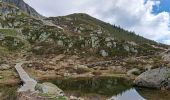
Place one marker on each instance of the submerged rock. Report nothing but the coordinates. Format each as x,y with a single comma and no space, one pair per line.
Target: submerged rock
155,78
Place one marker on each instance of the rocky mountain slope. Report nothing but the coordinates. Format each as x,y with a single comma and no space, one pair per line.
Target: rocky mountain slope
24,7
76,34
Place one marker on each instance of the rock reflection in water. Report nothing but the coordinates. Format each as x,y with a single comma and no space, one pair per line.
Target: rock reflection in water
105,86
8,92
153,94
130,94
142,94
93,88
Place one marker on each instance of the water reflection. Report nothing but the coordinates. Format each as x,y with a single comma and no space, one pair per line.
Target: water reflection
130,94
109,89
105,88
152,94
8,92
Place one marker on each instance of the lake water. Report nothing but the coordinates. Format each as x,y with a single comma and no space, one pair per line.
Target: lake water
105,88
108,88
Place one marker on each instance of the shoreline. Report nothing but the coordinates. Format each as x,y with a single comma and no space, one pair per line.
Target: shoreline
17,81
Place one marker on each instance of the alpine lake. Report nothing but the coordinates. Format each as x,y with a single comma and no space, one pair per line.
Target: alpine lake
103,88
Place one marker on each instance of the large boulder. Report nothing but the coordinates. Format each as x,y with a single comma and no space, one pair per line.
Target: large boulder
50,89
155,78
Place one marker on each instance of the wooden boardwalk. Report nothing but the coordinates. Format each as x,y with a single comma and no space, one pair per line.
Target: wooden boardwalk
29,83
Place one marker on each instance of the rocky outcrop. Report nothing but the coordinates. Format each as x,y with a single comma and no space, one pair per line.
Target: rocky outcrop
50,89
156,78
24,7
166,55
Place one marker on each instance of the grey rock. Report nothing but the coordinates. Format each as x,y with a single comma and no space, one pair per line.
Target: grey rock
94,41
2,36
80,66
126,48
69,19
104,53
166,55
109,44
60,43
50,89
4,67
109,39
132,43
133,50
133,71
155,78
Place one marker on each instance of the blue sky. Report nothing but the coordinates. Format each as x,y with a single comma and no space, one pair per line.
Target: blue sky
164,6
148,18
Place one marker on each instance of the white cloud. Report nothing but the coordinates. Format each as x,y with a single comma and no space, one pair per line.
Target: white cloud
133,15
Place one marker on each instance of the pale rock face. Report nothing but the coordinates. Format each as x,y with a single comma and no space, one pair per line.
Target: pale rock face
114,44
2,36
73,98
109,39
70,45
44,36
133,50
0,25
10,24
37,47
81,28
104,53
87,42
109,44
79,31
60,43
99,32
132,43
16,42
69,19
95,42
82,45
80,66
126,48
81,38
16,23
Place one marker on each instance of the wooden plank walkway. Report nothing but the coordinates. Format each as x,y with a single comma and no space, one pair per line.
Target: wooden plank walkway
29,83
